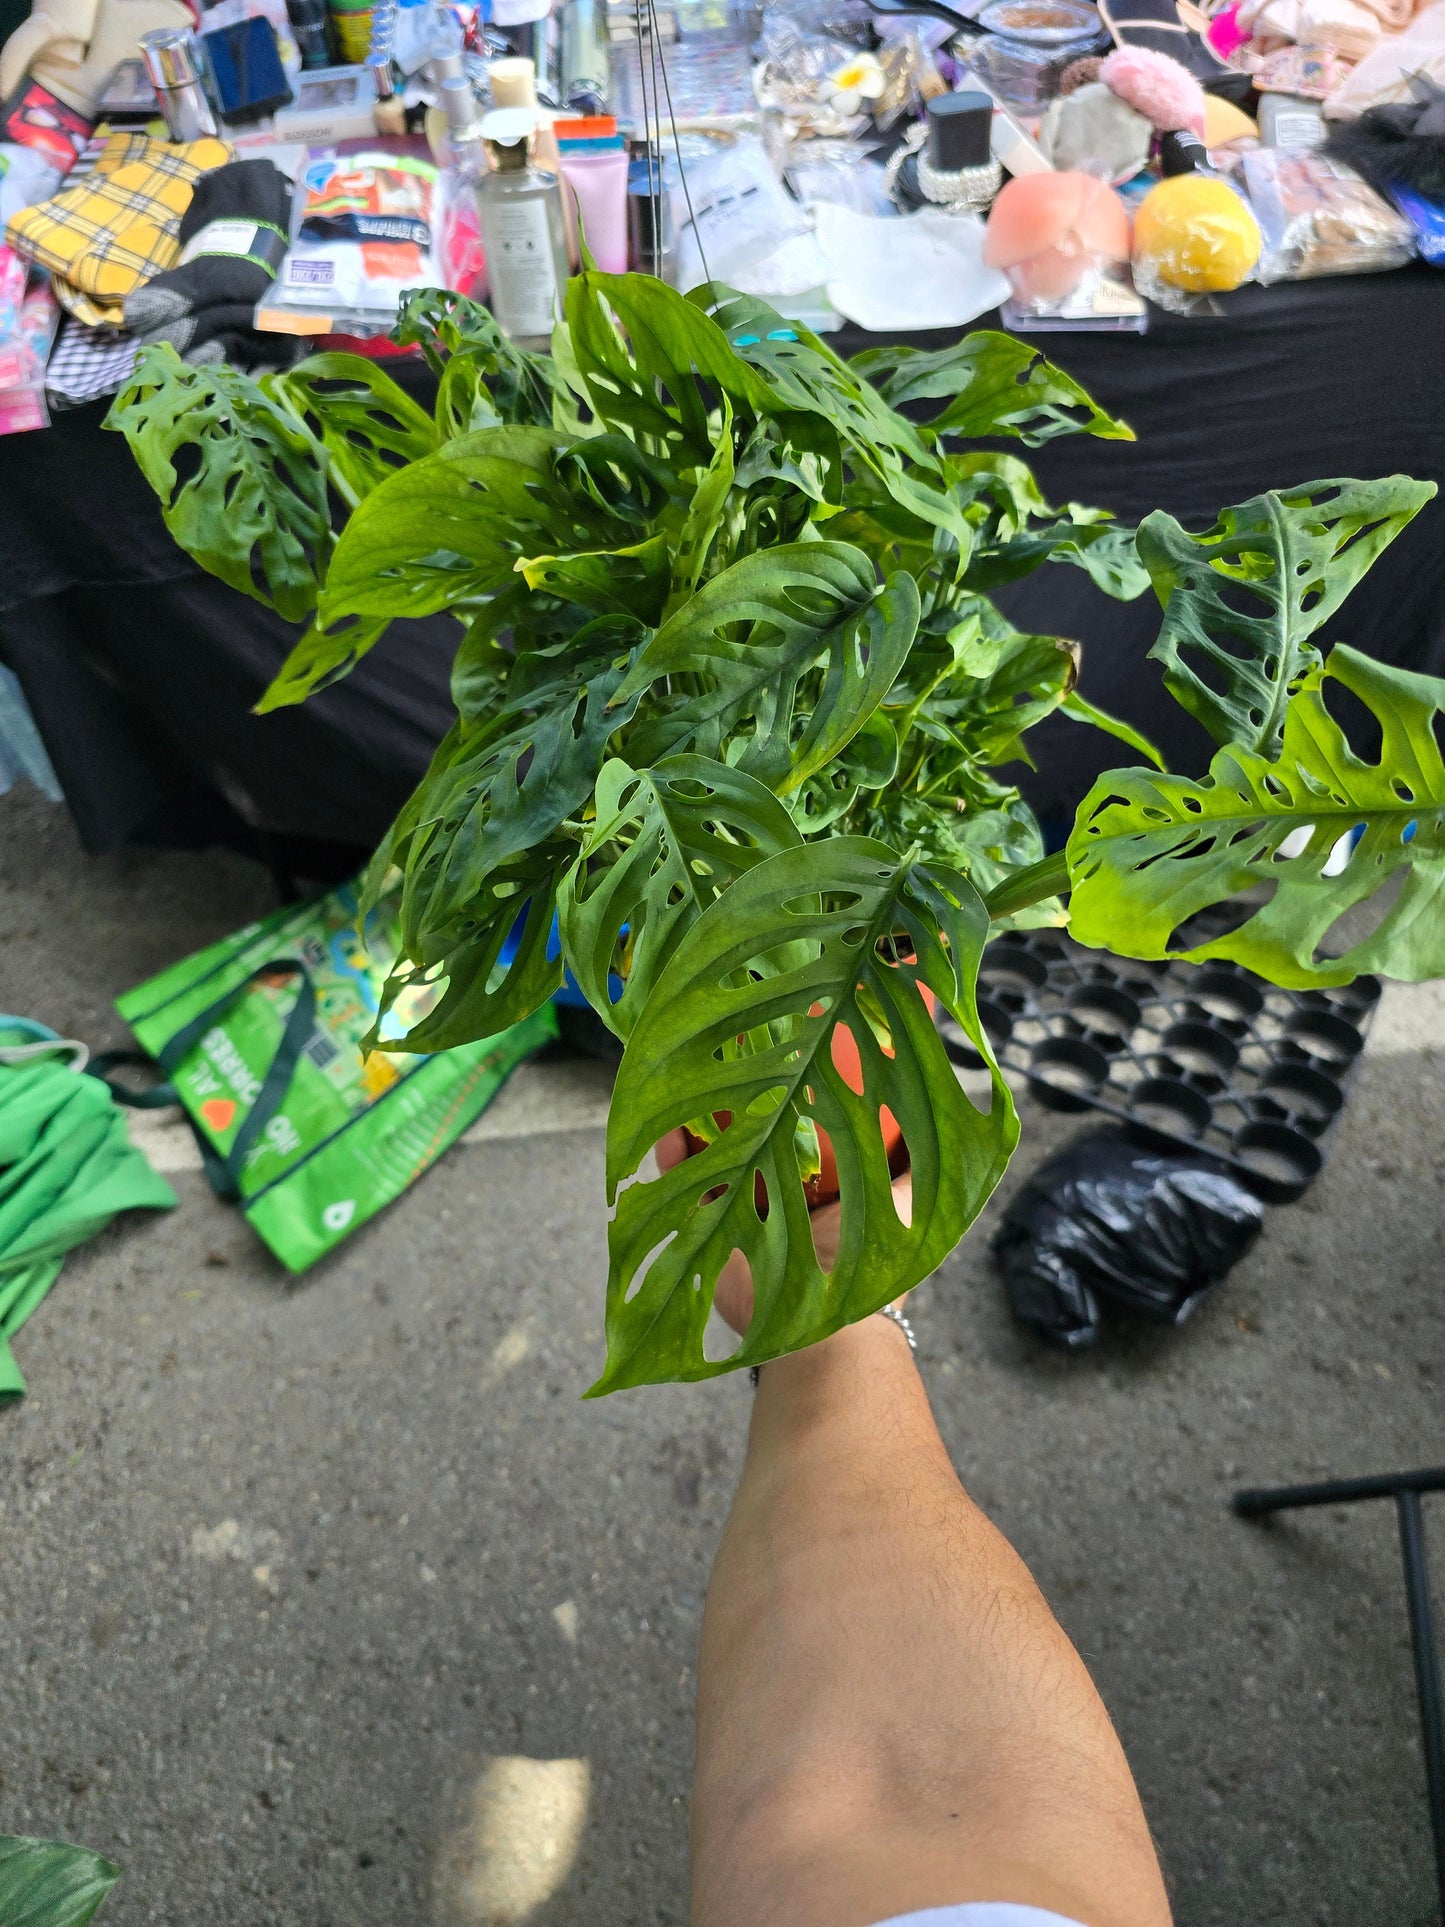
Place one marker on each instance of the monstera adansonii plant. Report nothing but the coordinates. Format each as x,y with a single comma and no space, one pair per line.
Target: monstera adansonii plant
732,703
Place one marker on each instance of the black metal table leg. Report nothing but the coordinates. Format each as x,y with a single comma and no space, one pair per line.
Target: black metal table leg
1405,1489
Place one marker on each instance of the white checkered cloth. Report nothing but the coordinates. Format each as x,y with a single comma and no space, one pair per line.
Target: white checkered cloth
87,363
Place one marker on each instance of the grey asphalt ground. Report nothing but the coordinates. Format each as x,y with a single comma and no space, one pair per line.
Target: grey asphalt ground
330,1603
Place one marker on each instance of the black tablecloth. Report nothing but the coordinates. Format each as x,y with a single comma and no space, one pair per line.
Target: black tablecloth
141,669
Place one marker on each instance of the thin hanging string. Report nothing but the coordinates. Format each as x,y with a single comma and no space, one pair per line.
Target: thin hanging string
639,24
676,143
655,129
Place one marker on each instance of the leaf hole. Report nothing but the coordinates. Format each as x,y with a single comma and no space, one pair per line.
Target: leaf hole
639,1277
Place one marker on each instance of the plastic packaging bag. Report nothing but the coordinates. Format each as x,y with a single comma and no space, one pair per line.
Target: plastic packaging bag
1108,1219
1318,217
365,229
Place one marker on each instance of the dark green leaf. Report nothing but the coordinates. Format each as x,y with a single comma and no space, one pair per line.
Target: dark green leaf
1148,852
1242,600
992,385
44,1883
254,511
666,842
370,427
705,516
484,992
832,912
754,632
632,581
444,325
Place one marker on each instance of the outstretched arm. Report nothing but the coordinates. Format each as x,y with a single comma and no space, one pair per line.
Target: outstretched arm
889,1716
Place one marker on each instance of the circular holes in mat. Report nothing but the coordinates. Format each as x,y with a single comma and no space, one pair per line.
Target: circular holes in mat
1324,1036
1008,967
1108,1012
1165,1105
1308,1095
1201,1050
1281,1161
1222,994
1066,1072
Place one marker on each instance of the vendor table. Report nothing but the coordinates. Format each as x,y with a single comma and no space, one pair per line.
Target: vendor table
141,670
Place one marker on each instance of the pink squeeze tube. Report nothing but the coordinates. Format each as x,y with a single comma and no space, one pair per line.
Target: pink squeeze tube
598,184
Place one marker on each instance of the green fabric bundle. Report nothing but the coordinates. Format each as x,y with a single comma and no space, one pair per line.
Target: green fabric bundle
66,1168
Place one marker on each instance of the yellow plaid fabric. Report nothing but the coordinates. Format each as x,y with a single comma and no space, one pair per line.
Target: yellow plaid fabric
117,227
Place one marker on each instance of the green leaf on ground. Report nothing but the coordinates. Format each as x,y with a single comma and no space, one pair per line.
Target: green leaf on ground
45,1883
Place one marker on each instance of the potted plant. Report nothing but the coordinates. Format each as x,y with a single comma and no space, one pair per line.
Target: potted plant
732,710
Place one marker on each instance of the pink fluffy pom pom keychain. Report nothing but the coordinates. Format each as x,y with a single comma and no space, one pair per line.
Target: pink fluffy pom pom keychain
1157,87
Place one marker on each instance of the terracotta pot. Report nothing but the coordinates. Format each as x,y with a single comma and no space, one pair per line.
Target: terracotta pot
823,1188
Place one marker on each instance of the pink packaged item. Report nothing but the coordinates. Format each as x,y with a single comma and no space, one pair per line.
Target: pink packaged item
27,328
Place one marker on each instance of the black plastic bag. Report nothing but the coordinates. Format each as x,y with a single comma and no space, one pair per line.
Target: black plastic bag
1108,1219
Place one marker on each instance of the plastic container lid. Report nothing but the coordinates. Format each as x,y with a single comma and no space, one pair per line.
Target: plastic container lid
509,125
513,82
1042,23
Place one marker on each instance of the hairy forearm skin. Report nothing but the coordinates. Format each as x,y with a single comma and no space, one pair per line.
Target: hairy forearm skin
889,1717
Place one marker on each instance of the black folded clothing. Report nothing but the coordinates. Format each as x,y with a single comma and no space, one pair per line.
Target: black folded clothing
233,237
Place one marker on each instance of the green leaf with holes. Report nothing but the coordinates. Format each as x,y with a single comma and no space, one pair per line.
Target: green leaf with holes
450,329
755,635
253,509
369,427
732,1036
665,844
45,1883
990,384
453,527
1321,831
1242,600
323,656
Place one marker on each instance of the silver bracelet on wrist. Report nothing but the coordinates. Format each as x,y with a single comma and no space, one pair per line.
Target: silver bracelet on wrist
892,1311
884,1311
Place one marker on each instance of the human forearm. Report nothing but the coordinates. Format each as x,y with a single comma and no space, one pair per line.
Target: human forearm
889,1716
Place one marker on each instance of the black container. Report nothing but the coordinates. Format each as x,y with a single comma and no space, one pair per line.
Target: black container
1207,1056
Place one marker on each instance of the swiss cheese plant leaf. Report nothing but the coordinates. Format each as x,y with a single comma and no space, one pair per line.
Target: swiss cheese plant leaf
493,967
45,1883
632,581
739,1035
447,327
754,634
1242,600
369,426
990,384
666,843
454,526
705,516
465,402
509,786
323,656
250,502
1319,830
653,364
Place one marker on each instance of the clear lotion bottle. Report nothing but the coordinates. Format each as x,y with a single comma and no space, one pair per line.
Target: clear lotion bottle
519,207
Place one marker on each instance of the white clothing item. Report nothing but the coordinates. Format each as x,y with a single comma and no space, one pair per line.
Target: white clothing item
984,1913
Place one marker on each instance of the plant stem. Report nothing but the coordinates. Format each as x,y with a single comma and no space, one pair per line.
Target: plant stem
1049,877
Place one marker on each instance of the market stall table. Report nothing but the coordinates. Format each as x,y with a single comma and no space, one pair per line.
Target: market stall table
141,670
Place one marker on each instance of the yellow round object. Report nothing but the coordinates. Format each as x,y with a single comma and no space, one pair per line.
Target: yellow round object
1196,233
1223,121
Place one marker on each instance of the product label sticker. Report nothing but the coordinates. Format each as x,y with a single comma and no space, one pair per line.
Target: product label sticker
311,274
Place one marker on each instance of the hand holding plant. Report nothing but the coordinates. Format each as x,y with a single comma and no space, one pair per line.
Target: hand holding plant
733,707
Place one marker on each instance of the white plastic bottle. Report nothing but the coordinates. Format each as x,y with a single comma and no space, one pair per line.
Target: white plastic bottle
520,209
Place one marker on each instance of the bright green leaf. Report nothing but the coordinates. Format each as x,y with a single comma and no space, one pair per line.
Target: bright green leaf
992,385
45,1883
1148,851
1078,710
370,427
666,842
832,911
322,656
